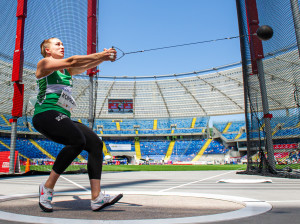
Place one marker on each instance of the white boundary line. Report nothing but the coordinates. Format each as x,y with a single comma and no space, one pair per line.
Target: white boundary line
252,207
287,201
72,182
171,188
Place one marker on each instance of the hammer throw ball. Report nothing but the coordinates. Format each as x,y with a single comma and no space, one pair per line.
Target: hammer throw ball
264,32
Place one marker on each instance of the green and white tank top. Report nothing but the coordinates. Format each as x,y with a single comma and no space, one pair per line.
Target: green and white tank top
55,93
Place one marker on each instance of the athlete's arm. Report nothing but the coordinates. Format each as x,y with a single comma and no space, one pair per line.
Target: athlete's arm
76,71
93,64
80,62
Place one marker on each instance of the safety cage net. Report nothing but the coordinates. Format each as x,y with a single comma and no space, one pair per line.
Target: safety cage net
271,80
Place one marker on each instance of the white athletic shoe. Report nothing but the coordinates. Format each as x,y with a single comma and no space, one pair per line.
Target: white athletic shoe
104,200
45,198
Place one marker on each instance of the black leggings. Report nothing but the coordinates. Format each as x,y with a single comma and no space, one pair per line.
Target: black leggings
76,137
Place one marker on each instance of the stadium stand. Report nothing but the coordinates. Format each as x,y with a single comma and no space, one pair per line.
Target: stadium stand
154,149
215,147
157,150
190,148
25,147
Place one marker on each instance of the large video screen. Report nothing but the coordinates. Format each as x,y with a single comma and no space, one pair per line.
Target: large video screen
120,106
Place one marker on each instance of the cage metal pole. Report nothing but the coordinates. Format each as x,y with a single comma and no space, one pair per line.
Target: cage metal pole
242,32
12,147
91,101
17,75
91,48
267,117
257,54
296,18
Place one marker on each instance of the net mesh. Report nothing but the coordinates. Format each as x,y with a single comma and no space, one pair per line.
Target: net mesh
66,20
280,72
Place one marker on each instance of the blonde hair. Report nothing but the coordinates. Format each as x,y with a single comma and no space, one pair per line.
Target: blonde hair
44,45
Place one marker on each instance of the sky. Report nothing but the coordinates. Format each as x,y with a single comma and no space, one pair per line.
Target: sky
134,25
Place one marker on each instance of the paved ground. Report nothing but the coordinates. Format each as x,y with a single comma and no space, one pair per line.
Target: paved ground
157,197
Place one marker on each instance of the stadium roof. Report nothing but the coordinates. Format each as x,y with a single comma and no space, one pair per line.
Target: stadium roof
217,91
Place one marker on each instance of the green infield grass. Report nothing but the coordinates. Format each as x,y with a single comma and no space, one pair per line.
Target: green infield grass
146,167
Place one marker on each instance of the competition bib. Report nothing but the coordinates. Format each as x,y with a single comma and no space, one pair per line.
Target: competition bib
66,101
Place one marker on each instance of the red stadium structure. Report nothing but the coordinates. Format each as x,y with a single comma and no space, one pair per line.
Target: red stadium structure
17,74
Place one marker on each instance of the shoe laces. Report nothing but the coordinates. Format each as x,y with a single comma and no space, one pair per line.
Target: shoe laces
106,197
48,194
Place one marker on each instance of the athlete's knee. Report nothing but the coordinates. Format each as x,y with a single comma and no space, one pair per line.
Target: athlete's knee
99,147
100,143
79,142
95,147
97,143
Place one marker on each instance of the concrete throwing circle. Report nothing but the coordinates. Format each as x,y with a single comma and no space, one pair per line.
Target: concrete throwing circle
143,207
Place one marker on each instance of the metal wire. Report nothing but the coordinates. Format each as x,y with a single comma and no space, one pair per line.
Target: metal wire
173,46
